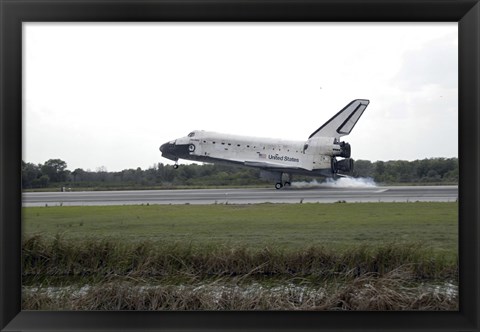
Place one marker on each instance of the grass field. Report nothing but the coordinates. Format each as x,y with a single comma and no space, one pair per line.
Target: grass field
337,225
365,256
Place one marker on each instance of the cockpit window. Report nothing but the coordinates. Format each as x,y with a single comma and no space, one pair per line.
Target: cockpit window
191,134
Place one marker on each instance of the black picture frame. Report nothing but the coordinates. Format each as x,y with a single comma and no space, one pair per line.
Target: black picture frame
15,12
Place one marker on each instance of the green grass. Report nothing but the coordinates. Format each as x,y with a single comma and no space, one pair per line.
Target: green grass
290,226
340,256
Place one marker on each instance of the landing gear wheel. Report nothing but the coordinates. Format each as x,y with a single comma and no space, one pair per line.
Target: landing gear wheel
278,185
175,166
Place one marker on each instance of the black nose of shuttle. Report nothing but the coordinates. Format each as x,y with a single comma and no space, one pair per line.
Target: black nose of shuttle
163,148
174,151
168,151
168,147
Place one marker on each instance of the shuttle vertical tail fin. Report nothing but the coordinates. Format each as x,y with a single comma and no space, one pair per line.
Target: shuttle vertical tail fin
343,122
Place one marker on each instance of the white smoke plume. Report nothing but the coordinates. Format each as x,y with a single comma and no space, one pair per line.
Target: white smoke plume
338,183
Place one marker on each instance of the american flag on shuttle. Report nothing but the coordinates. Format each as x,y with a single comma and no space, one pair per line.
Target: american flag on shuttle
262,155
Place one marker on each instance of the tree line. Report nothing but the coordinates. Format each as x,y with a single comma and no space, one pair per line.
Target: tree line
54,173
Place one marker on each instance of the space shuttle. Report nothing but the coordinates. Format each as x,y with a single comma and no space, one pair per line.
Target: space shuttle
322,154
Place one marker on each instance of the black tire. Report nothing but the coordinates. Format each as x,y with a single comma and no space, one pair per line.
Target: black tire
278,185
175,166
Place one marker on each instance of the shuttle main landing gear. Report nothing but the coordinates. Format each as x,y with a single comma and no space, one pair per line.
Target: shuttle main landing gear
279,178
175,166
288,178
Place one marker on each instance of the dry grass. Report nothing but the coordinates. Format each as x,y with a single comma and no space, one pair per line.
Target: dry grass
389,292
393,291
60,274
102,258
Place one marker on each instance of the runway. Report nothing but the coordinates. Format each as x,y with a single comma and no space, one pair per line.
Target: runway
316,194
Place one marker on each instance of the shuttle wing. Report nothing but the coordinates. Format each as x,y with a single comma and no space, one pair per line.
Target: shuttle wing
269,166
344,121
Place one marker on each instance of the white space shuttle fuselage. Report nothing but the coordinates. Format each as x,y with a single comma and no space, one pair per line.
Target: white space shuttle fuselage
317,156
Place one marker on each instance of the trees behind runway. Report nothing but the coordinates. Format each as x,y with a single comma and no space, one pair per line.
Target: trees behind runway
434,170
54,174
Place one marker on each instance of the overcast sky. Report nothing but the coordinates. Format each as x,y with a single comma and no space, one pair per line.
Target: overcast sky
108,95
